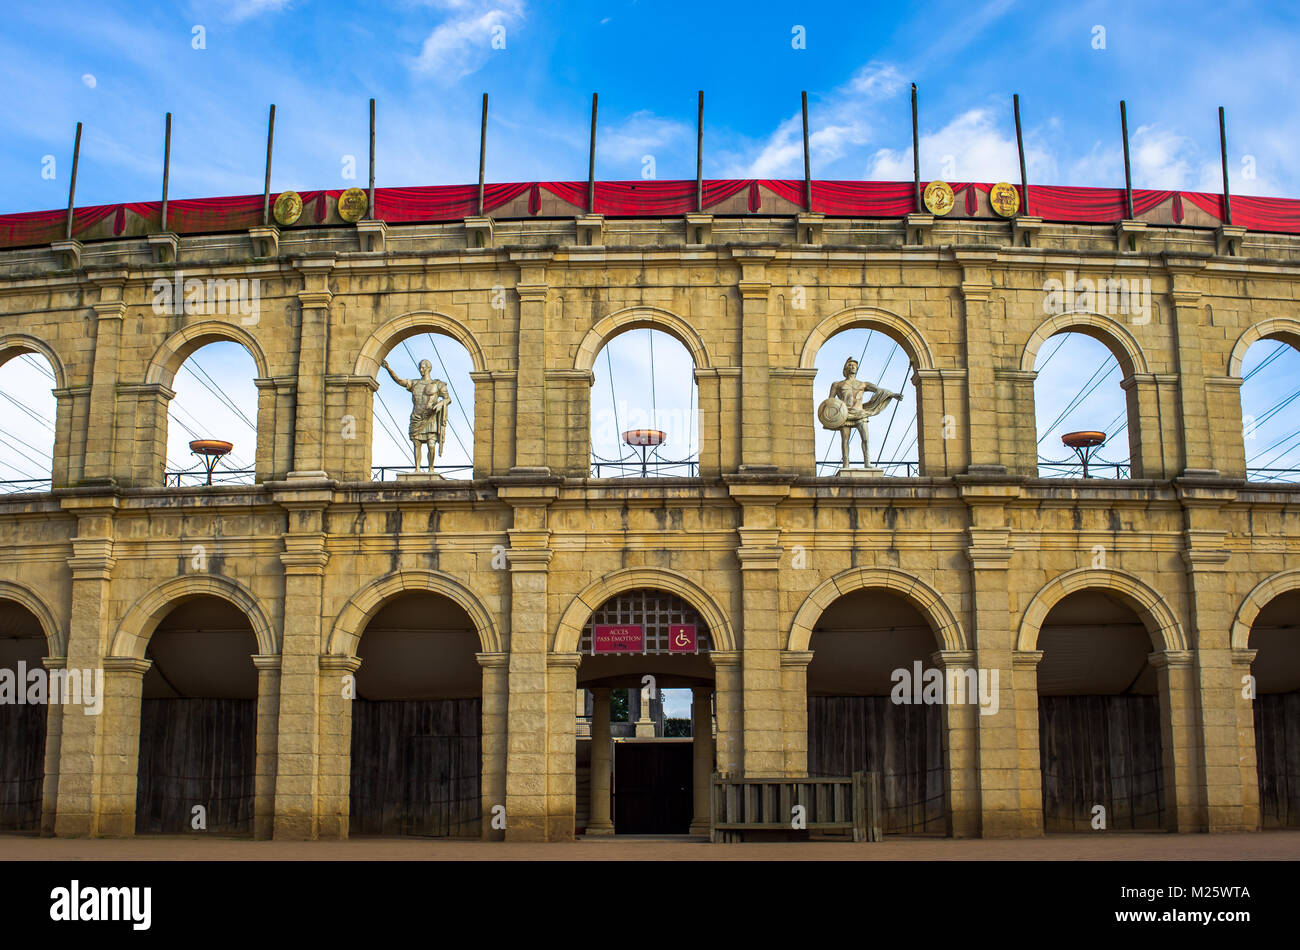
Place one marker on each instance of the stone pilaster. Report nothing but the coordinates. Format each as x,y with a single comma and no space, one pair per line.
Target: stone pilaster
1244,710
1179,727
530,395
495,699
268,716
100,453
562,745
298,748
942,445
1189,348
349,422
1024,683
961,766
982,409
81,737
755,412
53,735
309,429
729,699
794,695
336,691
119,744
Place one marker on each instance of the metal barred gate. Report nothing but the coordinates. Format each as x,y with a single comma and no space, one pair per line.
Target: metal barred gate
1277,757
1101,750
22,766
902,742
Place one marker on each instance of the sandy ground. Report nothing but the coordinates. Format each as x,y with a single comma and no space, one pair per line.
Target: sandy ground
1263,846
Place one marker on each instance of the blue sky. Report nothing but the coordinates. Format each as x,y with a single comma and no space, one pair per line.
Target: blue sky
119,66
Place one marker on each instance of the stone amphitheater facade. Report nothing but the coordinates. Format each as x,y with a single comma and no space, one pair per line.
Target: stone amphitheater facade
977,543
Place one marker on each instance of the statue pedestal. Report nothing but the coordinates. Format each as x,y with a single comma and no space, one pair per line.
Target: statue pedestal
870,472
418,476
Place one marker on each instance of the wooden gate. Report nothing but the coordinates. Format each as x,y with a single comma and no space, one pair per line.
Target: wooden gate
1101,750
1277,757
22,765
652,787
196,752
416,767
902,742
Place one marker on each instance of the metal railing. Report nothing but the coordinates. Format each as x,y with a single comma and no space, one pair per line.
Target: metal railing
651,468
380,473
1074,469
198,477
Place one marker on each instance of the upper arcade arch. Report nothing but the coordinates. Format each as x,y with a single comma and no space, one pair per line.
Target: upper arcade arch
178,347
1161,624
633,318
1260,596
947,629
143,617
393,332
1110,333
348,627
16,344
569,631
56,637
1283,329
892,325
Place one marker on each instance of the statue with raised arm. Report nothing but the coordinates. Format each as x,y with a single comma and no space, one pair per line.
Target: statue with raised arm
843,410
429,404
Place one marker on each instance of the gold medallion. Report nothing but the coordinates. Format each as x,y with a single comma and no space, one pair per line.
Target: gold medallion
1004,199
287,208
938,198
353,204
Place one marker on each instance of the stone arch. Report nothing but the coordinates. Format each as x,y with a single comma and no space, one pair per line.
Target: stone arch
140,621
581,607
16,344
387,336
1283,329
346,632
56,638
947,629
632,318
1110,333
1161,624
900,330
177,348
1259,598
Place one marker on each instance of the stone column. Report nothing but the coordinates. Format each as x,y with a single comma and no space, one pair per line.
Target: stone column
982,415
1191,346
492,781
562,746
530,397
119,744
268,716
298,743
794,694
755,412
600,823
100,446
80,745
729,699
310,430
961,766
1176,675
702,749
336,690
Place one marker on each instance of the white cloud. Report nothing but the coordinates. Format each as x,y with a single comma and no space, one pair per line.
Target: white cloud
460,45
641,133
972,147
245,9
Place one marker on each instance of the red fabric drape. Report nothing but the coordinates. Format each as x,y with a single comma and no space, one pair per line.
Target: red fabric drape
638,198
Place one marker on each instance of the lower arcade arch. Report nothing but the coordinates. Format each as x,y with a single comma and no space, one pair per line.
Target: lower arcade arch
416,721
869,709
1275,636
198,764
23,718
639,770
1102,752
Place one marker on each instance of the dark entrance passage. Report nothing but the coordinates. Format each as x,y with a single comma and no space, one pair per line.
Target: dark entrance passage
1098,718
860,642
652,787
198,723
904,743
22,726
1275,635
417,722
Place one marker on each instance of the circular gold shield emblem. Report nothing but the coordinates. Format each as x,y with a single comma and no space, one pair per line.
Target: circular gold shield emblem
938,198
1004,199
287,208
353,204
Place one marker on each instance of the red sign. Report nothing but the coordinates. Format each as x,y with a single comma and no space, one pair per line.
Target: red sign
628,638
681,638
